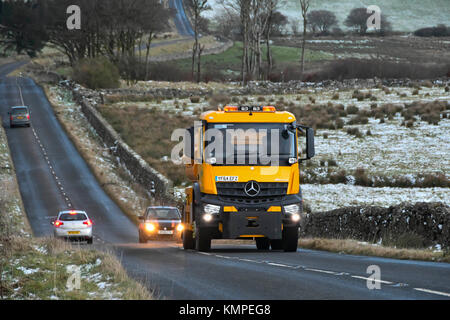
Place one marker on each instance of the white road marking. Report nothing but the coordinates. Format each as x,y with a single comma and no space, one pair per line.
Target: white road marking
321,271
224,257
374,280
433,292
280,265
248,260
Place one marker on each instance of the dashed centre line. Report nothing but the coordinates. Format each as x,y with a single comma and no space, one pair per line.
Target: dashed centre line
334,273
44,152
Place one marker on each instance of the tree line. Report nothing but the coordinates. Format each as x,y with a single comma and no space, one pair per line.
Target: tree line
120,30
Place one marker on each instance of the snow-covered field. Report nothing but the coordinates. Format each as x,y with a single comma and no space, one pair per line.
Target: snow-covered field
405,15
392,149
329,196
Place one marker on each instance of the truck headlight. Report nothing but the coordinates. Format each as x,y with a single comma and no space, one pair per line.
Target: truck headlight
211,209
292,209
207,217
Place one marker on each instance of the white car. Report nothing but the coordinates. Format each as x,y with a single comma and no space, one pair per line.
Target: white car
73,225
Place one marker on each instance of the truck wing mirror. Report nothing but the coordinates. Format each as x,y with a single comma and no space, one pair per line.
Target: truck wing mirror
189,143
310,149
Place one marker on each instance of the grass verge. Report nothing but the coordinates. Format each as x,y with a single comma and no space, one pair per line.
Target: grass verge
354,247
40,268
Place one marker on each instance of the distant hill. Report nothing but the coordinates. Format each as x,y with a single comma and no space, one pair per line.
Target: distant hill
405,15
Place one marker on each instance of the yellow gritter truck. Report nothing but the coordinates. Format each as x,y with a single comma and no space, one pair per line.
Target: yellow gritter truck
244,165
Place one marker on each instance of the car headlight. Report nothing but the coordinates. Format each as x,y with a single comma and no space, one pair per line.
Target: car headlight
150,227
292,209
180,227
211,209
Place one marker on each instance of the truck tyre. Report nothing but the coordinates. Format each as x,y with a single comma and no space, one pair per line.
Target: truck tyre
262,243
202,239
188,240
290,239
276,244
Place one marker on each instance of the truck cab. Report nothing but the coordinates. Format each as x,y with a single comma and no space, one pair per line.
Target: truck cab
244,165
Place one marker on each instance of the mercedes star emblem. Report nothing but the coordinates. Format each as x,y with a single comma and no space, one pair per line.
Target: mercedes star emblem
252,188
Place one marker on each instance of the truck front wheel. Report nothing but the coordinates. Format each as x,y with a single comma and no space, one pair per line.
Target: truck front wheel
202,239
262,243
290,239
276,244
188,240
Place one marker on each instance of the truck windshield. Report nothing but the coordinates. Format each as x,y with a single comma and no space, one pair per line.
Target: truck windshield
269,144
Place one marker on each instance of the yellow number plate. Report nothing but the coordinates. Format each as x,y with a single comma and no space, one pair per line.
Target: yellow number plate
74,232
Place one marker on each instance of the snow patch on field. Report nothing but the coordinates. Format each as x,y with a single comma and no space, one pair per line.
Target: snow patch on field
328,197
404,15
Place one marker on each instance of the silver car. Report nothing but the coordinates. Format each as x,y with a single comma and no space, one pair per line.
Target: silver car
19,116
73,225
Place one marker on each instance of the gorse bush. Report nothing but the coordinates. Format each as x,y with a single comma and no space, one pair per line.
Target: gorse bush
97,73
438,31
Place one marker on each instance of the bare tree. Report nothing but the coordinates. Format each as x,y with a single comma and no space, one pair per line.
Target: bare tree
294,24
198,7
270,7
304,4
256,23
228,24
321,20
357,19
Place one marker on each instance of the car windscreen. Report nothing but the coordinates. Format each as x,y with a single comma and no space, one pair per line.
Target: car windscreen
163,214
72,217
19,111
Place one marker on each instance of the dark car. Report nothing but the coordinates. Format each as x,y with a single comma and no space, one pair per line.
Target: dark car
160,223
19,116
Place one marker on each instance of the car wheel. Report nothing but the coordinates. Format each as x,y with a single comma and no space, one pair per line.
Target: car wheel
142,239
11,125
90,240
262,243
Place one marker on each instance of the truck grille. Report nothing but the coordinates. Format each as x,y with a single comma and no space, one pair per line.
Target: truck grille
234,192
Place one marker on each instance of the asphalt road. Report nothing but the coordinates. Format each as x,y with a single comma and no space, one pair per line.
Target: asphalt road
53,176
181,21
